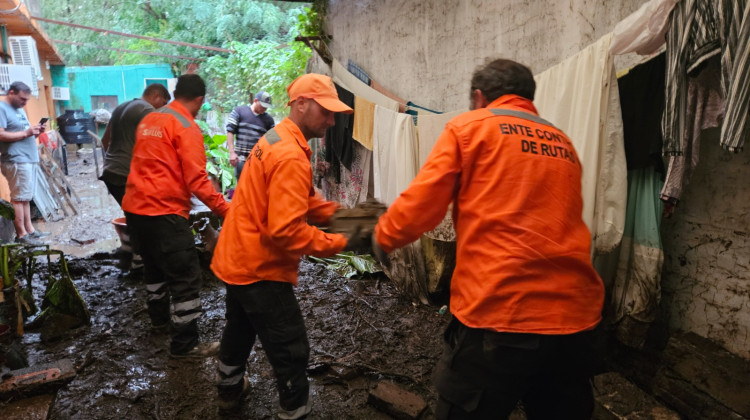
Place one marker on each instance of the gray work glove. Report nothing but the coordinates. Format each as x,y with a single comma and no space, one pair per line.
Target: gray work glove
358,241
378,252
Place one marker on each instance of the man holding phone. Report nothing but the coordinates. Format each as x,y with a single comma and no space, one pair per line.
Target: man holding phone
19,157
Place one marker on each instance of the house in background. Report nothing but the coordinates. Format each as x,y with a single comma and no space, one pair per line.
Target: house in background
104,87
27,55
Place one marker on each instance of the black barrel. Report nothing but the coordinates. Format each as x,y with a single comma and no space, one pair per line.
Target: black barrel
73,125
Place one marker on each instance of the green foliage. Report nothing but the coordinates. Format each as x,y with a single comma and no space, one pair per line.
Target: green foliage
347,264
261,65
217,159
261,34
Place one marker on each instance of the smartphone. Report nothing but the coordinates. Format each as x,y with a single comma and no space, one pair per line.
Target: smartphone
43,121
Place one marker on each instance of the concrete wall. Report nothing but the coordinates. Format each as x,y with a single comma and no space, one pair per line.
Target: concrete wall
426,50
706,284
125,82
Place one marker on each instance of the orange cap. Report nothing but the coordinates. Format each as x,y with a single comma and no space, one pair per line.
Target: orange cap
321,89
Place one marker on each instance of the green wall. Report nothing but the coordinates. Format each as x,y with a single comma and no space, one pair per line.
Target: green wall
124,82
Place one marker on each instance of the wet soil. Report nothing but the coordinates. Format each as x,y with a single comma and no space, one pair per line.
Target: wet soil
360,331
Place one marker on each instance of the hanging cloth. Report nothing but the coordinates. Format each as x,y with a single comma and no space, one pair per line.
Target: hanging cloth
704,109
642,102
734,18
354,182
349,81
636,291
364,113
429,128
339,137
394,153
643,31
692,38
580,96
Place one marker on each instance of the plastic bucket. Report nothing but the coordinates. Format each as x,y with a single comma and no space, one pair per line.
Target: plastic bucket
122,229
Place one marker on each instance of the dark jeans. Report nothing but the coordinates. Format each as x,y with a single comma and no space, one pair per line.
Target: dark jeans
116,191
484,374
240,165
167,247
115,185
268,310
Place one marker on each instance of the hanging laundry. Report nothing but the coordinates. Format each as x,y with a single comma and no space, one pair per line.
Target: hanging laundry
642,101
339,137
364,112
429,128
353,186
394,153
692,38
349,81
580,96
734,18
704,109
643,31
636,291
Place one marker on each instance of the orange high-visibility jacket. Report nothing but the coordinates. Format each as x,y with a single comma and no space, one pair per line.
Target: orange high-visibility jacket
266,230
523,261
168,166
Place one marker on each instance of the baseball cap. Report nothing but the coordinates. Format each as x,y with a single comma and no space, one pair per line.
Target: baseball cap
319,88
264,98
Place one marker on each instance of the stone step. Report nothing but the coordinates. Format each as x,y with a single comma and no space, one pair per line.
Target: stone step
616,398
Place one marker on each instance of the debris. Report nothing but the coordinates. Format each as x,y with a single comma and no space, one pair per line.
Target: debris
618,398
396,401
34,408
443,310
83,240
37,380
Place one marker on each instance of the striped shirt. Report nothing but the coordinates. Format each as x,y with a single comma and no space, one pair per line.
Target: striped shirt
248,127
692,38
734,20
698,30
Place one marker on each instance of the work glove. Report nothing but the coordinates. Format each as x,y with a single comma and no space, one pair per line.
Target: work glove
358,240
378,252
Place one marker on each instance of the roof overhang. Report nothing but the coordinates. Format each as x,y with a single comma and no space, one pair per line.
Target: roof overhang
20,22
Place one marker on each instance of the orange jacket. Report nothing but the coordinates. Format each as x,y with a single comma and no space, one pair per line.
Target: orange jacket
266,230
168,166
523,260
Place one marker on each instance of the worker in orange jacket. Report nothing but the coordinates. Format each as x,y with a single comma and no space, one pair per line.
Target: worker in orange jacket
168,167
524,294
260,245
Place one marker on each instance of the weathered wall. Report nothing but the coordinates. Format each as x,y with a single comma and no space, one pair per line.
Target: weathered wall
706,285
426,50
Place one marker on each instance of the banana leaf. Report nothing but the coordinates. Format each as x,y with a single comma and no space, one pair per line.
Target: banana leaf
347,264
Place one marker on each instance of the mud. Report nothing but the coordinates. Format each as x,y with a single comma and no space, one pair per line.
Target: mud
361,332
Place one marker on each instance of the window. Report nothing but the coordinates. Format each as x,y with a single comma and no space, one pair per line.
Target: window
108,102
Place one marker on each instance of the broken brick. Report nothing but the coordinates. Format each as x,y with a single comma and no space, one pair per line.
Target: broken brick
396,401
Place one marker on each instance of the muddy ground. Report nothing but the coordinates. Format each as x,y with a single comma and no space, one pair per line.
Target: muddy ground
361,332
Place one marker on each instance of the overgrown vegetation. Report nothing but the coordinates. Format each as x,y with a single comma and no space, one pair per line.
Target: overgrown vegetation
260,34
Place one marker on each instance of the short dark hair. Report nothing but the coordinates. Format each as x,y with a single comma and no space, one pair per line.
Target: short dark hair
503,77
17,87
156,89
189,86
